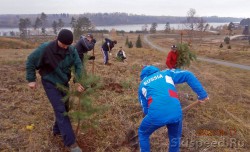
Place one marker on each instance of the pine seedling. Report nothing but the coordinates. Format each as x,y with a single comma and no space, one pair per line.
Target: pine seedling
185,56
81,106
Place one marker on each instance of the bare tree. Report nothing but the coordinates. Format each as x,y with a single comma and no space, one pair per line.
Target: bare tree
145,28
202,26
191,19
191,22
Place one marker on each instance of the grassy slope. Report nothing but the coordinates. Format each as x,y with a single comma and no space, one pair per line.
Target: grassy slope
208,46
227,110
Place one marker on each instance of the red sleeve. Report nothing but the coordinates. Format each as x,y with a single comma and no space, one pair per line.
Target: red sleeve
168,61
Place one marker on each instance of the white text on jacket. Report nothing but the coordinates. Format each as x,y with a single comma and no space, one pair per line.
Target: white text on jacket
153,79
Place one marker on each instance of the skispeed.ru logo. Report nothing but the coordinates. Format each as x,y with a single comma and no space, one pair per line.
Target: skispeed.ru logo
159,76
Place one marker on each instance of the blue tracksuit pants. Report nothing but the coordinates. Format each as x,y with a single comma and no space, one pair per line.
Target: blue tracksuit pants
62,123
147,127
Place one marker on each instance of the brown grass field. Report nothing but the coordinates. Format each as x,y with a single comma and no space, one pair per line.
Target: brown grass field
220,125
207,45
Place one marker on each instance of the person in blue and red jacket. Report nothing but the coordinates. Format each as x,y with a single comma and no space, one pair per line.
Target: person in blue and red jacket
161,106
172,57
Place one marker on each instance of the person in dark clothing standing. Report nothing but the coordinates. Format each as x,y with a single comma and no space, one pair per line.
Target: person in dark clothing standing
85,44
54,61
106,49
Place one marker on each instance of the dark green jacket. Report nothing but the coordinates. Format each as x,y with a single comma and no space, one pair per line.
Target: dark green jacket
54,63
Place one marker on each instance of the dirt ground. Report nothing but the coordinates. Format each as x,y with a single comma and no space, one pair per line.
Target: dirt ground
221,125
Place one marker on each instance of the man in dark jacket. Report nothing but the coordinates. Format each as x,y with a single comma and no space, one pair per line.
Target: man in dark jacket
85,44
106,48
54,61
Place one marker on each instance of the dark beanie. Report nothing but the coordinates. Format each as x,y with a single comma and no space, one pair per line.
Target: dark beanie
65,36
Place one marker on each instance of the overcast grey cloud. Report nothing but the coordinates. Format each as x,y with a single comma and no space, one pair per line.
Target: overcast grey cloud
222,8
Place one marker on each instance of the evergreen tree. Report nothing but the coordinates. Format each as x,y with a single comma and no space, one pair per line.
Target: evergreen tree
153,27
185,56
60,24
73,22
44,22
130,45
138,42
55,27
230,28
24,24
127,42
221,45
82,25
227,40
167,28
38,23
81,106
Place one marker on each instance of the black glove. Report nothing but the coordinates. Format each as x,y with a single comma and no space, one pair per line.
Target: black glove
93,40
92,58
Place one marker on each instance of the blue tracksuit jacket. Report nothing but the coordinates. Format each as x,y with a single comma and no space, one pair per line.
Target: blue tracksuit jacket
158,97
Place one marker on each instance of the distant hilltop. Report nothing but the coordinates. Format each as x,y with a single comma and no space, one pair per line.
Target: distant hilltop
102,19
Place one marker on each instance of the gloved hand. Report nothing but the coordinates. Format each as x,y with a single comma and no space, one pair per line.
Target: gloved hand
92,58
93,40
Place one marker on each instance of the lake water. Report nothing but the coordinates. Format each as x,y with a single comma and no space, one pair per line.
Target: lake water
126,28
139,27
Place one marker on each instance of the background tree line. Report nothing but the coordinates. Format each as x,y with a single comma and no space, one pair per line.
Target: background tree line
99,19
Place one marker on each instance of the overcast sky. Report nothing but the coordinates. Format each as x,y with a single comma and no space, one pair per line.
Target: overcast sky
221,8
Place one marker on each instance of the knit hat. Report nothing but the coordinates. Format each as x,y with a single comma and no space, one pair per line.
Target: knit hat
65,36
90,35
